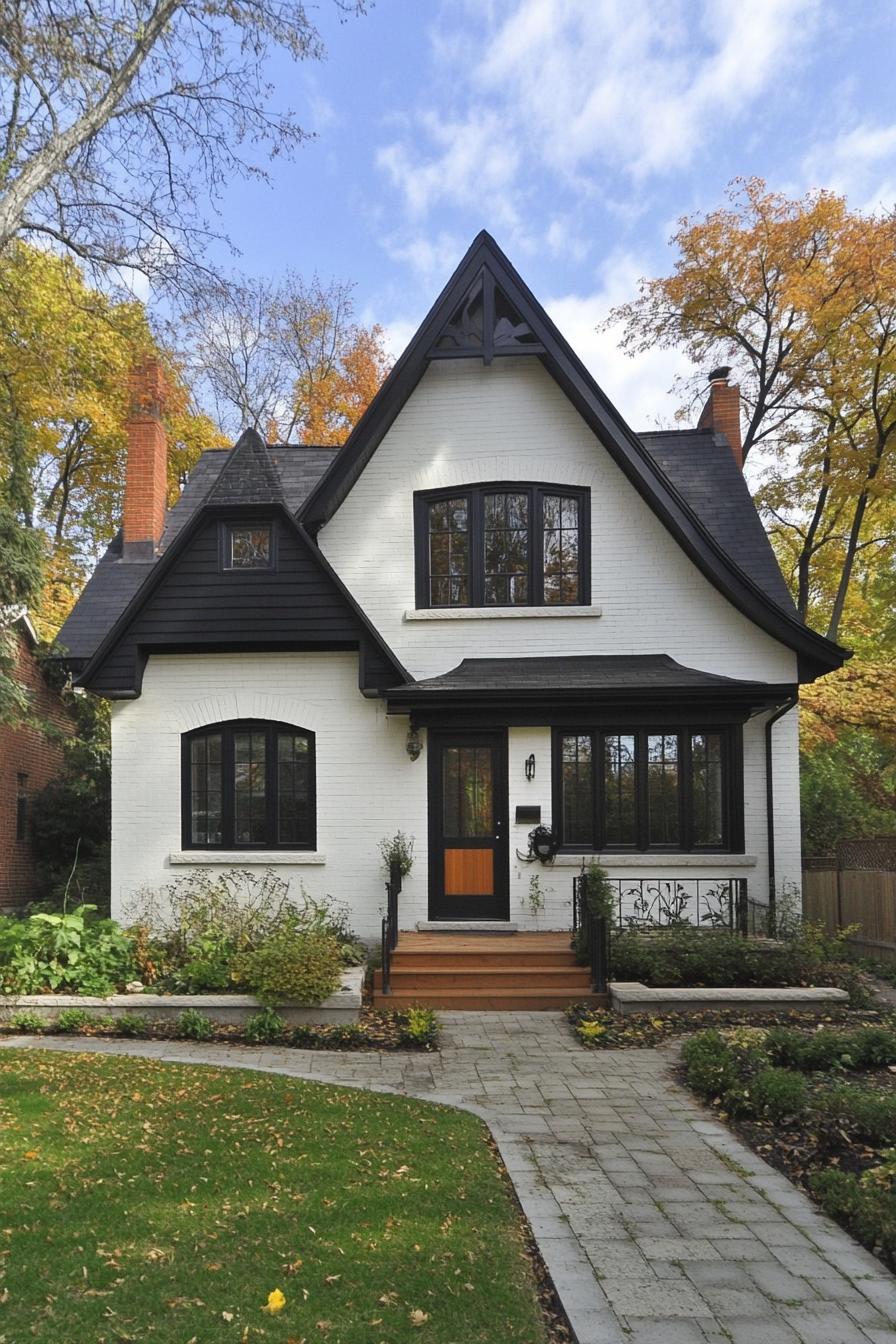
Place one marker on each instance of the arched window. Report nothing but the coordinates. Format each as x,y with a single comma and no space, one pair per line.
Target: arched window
248,784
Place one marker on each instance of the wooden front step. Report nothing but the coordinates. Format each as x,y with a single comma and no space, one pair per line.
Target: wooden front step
486,972
572,979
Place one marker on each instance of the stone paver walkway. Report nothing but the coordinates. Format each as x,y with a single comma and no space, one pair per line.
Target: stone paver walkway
657,1224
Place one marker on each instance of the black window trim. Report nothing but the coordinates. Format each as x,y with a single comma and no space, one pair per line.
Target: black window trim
227,728
475,493
732,786
225,532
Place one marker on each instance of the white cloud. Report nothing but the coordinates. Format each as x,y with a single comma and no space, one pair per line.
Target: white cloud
860,163
569,87
639,388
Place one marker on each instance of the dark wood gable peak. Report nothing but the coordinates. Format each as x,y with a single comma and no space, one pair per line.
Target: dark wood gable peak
460,313
486,323
191,603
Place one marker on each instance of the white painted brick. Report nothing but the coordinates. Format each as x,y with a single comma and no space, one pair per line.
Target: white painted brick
464,423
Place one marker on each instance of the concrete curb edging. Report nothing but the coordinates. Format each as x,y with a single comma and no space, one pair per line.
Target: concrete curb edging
228,1009
630,996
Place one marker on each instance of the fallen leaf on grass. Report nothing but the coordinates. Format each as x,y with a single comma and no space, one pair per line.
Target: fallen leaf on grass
418,1317
276,1302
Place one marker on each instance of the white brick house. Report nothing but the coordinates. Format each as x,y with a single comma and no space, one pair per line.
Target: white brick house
495,607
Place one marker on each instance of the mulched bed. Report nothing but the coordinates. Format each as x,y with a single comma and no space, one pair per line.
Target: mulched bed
645,1031
375,1030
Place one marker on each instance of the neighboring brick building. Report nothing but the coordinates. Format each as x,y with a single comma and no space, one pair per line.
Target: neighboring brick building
28,761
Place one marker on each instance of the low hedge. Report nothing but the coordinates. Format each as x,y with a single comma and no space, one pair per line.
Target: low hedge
866,1207
712,958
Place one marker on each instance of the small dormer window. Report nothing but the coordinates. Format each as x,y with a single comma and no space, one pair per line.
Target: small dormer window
248,546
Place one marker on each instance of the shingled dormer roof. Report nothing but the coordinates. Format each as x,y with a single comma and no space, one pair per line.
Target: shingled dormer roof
248,475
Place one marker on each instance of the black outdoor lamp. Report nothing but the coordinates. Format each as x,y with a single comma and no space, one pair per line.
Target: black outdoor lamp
530,766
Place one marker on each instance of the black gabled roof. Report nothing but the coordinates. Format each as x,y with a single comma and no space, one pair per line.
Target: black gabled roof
674,506
115,581
701,466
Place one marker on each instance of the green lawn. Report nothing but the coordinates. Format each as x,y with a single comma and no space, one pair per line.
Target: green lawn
147,1201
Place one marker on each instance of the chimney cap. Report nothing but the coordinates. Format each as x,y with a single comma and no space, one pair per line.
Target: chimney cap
720,375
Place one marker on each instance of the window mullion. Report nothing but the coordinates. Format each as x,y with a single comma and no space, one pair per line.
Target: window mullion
597,790
536,548
228,787
271,763
642,821
476,513
685,790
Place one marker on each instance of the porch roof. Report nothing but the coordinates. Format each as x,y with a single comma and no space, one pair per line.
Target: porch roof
593,681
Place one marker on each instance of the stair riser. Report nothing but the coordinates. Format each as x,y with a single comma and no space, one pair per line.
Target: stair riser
519,1003
434,960
563,981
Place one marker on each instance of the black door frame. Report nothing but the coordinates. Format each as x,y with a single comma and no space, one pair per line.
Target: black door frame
469,908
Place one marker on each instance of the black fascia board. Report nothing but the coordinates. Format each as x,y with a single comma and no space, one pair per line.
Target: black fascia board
747,696
168,560
816,654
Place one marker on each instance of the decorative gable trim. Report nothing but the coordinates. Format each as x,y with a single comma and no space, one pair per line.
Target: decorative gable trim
467,312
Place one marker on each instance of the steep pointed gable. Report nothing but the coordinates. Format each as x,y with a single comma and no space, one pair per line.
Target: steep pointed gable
248,476
486,310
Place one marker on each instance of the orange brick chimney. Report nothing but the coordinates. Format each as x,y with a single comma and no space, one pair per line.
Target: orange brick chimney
146,478
722,411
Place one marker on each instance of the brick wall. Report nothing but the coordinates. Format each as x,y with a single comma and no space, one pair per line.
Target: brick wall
25,752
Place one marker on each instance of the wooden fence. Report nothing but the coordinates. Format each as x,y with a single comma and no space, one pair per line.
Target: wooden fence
838,897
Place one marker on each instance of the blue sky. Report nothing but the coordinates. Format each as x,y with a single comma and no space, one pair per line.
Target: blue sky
577,132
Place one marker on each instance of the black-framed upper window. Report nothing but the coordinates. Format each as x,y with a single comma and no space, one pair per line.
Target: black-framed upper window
248,784
648,789
503,545
248,545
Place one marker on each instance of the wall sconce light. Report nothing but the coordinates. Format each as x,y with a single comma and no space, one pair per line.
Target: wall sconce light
530,766
414,743
543,844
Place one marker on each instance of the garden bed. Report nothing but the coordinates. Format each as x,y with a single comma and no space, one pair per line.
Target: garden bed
602,1029
818,1105
414,1029
233,1010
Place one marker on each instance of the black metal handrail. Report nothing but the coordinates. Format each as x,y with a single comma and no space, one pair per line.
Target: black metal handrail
389,935
591,934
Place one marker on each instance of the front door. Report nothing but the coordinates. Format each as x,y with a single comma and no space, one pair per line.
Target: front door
468,825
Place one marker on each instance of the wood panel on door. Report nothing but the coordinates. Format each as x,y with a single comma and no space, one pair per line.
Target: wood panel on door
468,826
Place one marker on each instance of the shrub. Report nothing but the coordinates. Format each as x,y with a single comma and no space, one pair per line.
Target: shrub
346,1033
869,1115
421,1027
710,1065
73,1019
866,1047
294,964
26,1019
777,1093
398,849
72,951
264,1027
304,1037
130,1024
192,1025
868,1209
589,1032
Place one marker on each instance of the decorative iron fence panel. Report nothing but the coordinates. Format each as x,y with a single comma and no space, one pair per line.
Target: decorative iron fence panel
705,902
